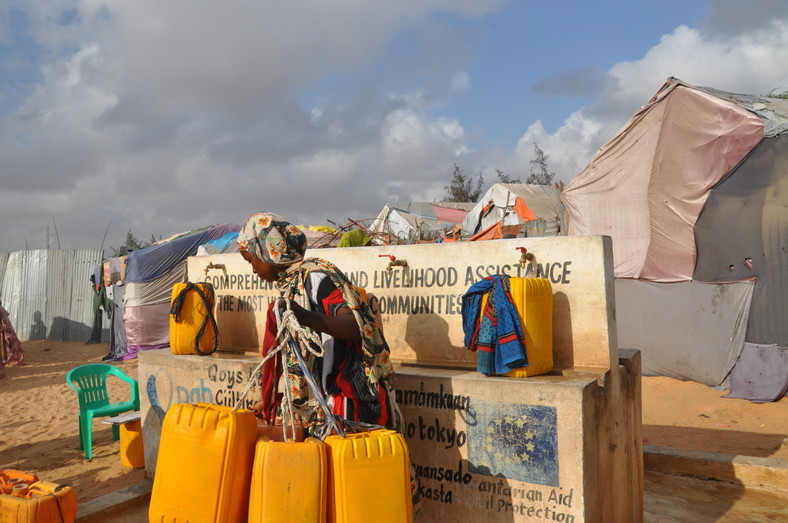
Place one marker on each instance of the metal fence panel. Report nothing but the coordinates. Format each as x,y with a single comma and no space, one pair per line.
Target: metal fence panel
48,293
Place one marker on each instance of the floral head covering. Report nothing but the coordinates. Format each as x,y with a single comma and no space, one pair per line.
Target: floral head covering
271,239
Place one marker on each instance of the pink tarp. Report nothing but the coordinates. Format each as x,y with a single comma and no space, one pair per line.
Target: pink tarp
645,187
446,214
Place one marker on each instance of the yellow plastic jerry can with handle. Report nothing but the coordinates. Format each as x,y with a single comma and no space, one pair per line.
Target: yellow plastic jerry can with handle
204,465
192,324
288,482
39,502
533,298
364,463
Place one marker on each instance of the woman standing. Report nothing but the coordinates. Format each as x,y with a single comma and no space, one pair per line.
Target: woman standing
10,347
354,369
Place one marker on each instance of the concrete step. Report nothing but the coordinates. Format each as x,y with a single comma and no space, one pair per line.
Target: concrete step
748,471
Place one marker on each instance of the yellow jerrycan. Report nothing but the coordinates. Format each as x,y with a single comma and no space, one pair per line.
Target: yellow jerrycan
533,298
192,324
204,465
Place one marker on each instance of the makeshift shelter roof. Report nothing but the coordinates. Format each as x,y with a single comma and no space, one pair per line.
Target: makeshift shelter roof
646,187
225,244
512,204
694,189
320,236
153,262
418,221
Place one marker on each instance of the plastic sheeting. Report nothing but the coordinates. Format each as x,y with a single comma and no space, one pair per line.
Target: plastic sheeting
156,291
645,187
147,327
117,336
687,330
761,374
743,232
417,221
541,200
117,269
226,244
154,262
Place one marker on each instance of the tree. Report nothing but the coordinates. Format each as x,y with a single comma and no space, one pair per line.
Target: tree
461,188
132,244
503,178
539,173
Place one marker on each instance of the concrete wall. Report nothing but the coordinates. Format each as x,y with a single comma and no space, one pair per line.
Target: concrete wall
552,448
419,305
560,447
166,379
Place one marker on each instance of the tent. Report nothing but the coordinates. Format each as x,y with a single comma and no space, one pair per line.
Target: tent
146,291
742,232
693,189
417,221
510,204
225,244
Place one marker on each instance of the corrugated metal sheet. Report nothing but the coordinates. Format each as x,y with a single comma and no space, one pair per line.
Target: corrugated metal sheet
542,227
48,294
554,226
69,311
3,262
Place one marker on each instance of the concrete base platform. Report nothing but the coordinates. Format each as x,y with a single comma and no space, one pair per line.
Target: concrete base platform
118,506
680,485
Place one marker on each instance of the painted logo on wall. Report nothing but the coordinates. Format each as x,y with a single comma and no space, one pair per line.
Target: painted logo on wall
516,441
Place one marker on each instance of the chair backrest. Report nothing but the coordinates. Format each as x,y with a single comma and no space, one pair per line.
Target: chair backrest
90,382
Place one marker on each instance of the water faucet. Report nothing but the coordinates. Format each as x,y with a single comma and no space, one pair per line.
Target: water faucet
525,256
212,265
393,262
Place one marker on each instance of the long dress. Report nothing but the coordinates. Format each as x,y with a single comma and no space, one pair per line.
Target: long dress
10,347
353,376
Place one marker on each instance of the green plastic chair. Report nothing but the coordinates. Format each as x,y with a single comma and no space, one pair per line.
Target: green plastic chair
90,382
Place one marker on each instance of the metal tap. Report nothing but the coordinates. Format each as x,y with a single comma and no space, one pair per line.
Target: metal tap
393,262
212,265
525,256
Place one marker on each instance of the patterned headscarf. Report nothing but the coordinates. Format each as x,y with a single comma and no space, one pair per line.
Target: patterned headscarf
271,239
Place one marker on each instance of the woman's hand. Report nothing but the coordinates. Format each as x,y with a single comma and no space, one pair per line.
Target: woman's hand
343,326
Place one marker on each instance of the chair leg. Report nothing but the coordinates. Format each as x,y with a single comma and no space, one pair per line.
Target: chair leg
87,436
115,432
81,444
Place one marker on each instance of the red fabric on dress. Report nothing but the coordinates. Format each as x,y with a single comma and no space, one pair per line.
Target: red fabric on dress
272,370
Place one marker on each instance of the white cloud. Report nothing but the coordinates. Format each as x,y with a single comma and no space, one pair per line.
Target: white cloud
166,116
747,62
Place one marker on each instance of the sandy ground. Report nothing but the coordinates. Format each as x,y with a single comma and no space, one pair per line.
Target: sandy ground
39,430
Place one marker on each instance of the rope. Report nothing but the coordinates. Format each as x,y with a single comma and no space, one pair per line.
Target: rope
177,305
288,330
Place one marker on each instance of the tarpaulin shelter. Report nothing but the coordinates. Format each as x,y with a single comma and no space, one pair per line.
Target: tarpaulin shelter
510,204
693,189
226,244
150,274
418,221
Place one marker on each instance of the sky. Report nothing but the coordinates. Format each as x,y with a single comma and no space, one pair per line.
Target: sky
164,117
